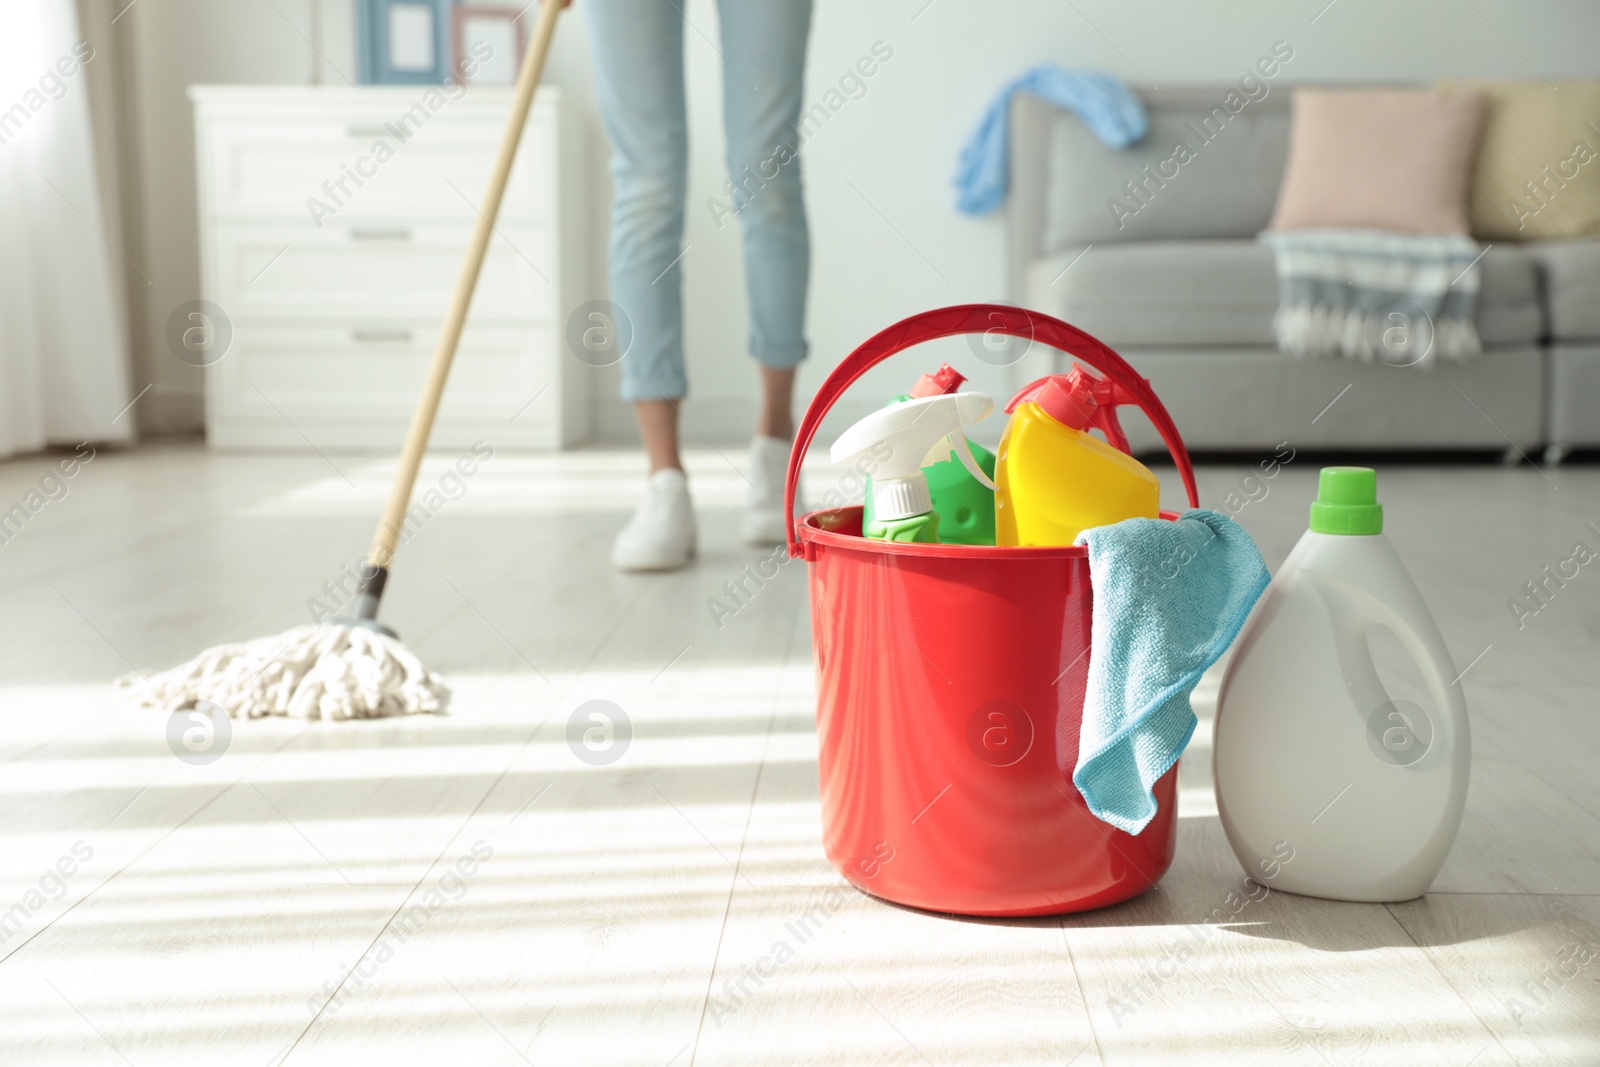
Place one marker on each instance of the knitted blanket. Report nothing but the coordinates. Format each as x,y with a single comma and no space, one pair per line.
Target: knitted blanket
1367,294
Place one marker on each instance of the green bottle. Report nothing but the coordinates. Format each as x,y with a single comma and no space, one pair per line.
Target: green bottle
924,528
963,506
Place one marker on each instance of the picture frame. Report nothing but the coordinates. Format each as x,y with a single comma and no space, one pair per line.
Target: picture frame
502,29
403,42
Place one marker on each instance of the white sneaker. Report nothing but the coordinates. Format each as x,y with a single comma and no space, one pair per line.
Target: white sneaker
765,522
661,535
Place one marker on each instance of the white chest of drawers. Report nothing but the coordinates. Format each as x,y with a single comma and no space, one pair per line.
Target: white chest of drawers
332,226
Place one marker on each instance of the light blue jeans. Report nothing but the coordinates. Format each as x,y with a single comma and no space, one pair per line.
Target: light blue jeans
638,63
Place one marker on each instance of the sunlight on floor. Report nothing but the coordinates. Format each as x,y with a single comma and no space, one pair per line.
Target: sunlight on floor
567,482
560,894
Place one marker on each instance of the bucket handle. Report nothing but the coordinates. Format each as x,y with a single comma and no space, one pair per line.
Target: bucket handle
979,318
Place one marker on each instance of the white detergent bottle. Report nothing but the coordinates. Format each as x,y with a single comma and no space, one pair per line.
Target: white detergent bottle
1313,758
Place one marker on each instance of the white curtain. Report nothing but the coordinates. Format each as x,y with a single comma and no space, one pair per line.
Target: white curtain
63,349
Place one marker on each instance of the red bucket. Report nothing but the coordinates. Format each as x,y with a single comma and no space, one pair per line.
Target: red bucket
950,683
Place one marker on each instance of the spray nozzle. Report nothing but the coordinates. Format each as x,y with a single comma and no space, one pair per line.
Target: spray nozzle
1079,400
899,440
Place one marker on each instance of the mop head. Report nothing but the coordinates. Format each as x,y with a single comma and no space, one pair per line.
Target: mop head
322,671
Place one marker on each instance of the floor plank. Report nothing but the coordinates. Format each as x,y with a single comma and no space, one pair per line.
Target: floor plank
191,971
1528,965
827,975
531,902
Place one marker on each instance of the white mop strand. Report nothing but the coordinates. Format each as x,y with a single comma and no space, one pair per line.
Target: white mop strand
325,671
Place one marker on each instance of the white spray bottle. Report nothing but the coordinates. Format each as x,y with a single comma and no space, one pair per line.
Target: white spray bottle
916,432
1311,752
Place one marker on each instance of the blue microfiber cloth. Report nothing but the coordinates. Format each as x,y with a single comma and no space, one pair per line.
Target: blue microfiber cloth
1169,598
1106,105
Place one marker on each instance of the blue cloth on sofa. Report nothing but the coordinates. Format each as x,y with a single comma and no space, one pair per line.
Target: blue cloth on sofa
1112,111
1169,598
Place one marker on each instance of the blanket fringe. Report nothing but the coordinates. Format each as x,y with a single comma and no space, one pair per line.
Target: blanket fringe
1319,330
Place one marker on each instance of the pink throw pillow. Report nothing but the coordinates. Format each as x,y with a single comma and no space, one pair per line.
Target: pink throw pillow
1380,159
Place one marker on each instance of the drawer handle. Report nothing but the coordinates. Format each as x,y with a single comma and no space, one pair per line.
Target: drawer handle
380,233
376,129
399,334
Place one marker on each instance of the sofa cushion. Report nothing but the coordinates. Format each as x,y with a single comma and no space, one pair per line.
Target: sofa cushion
1190,293
1535,175
1380,159
1199,191
1572,286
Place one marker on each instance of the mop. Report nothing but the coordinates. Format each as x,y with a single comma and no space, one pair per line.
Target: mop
353,666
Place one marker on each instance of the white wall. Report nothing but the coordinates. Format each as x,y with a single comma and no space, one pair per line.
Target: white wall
892,245
162,47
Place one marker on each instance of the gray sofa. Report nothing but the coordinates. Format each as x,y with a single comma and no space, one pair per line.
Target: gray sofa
1181,288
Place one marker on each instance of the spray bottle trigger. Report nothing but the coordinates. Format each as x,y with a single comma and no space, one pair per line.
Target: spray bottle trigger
957,443
963,452
1108,396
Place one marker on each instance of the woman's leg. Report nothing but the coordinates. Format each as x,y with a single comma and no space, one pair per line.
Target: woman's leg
638,70
777,403
764,45
764,53
638,73
658,426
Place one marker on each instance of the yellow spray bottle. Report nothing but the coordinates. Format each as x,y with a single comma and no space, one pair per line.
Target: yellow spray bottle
1054,479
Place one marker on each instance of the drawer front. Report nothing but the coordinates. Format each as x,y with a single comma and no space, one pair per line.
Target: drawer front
305,378
376,272
385,160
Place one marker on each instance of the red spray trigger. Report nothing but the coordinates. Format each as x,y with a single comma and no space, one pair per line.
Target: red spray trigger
944,380
1079,400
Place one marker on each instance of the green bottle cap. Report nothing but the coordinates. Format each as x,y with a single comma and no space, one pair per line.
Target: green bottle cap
1347,502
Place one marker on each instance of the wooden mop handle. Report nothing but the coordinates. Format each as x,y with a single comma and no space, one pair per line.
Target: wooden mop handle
388,533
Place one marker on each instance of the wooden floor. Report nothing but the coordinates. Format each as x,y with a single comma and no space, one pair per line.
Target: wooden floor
464,889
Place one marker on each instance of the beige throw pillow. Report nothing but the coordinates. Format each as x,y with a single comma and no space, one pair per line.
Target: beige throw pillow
1380,159
1538,172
